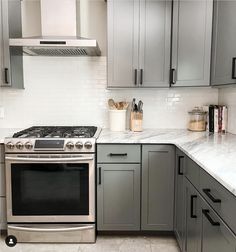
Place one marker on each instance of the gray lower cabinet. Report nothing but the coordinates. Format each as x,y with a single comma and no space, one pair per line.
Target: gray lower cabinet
193,219
179,220
157,187
118,197
191,42
216,236
223,70
139,34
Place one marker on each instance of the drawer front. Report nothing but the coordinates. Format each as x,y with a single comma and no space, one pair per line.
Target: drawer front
123,153
3,218
2,180
192,172
221,200
2,153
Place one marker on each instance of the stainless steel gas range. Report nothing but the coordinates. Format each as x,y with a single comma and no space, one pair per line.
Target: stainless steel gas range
50,178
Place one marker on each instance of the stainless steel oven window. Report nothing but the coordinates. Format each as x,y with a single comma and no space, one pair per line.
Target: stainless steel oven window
17,161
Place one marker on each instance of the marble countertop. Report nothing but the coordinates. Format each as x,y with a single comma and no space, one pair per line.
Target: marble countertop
7,132
215,153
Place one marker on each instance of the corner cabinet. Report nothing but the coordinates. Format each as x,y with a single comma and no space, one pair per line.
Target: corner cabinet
191,42
157,187
223,70
11,57
139,35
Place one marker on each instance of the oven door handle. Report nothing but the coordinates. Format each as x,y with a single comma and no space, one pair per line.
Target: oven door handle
51,160
32,229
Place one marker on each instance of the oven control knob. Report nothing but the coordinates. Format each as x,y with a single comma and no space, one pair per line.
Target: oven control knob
28,145
19,145
79,145
10,145
88,145
70,145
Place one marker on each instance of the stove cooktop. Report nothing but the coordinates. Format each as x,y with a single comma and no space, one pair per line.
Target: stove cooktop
57,132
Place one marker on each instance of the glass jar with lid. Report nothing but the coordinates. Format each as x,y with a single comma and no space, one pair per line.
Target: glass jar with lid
197,119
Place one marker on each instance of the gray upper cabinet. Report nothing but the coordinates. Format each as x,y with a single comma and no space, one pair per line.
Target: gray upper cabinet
223,69
139,43
191,42
158,187
12,58
179,226
118,201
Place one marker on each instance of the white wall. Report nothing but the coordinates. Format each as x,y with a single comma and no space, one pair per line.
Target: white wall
228,96
72,91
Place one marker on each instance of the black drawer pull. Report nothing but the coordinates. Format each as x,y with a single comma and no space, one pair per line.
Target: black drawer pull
99,175
179,165
206,213
118,154
192,215
135,76
212,198
233,68
141,76
6,73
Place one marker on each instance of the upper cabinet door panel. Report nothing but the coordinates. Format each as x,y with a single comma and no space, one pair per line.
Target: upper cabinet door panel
224,43
123,39
191,48
155,34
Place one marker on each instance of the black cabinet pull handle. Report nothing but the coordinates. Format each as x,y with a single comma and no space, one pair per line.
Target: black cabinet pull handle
233,68
179,165
135,77
192,215
207,191
206,213
6,75
99,175
172,76
141,76
118,154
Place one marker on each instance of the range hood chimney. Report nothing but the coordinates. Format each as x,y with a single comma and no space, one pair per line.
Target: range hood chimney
59,33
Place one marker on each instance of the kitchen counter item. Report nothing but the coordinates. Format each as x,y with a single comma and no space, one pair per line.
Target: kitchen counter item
117,119
136,116
197,119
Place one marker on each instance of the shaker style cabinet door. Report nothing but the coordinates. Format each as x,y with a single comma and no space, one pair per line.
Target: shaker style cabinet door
12,57
179,199
155,39
158,163
191,42
193,218
216,236
123,39
118,201
223,69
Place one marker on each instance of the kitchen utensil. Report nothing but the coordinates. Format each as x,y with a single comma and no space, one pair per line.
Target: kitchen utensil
140,106
111,104
132,105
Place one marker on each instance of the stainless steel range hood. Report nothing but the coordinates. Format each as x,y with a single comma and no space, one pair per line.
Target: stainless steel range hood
59,33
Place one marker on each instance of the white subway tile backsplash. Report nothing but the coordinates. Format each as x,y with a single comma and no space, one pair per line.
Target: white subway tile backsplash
72,91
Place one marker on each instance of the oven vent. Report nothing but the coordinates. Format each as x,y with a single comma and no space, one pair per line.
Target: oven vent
55,52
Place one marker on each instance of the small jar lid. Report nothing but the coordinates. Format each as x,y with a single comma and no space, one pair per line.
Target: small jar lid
197,111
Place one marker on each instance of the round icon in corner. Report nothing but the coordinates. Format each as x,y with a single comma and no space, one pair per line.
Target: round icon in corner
11,241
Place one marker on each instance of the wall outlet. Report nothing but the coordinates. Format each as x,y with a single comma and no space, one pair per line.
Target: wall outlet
1,112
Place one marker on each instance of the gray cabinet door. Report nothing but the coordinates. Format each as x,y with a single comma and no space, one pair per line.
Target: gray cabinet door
158,162
155,36
191,42
123,39
193,218
224,43
216,236
179,227
118,197
12,57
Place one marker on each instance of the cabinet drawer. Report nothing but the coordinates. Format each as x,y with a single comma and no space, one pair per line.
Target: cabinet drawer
2,153
123,153
192,172
3,218
221,200
2,180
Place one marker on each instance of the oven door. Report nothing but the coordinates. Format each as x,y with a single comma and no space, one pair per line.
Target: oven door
50,188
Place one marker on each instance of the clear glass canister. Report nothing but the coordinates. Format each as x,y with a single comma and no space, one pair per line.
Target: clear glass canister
197,119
